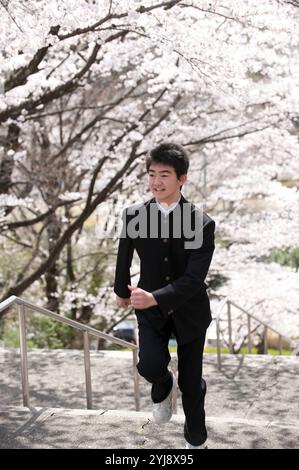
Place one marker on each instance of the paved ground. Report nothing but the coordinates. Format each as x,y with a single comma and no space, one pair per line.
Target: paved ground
251,403
74,429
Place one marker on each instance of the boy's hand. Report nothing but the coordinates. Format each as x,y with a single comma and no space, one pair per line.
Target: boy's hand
123,303
141,299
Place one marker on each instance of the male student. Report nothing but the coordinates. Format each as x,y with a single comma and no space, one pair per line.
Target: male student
175,242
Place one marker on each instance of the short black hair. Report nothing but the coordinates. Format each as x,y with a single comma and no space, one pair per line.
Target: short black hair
169,154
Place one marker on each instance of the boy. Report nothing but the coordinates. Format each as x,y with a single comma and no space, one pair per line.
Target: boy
175,244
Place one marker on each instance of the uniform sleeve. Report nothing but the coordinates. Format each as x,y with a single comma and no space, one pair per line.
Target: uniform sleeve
175,294
123,262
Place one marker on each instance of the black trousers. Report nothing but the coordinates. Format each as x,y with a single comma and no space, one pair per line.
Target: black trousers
153,363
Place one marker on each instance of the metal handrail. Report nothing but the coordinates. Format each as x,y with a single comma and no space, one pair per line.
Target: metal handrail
22,305
217,320
228,303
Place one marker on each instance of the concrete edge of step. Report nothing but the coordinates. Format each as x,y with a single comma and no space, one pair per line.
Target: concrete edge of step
45,413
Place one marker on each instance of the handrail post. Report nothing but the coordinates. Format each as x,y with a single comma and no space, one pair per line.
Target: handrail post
136,381
249,334
87,370
24,359
266,340
218,345
230,341
86,329
280,344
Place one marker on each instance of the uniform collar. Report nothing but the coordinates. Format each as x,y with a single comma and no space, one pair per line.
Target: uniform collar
166,210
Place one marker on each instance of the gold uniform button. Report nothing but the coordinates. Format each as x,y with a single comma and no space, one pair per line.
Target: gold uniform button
167,278
165,259
165,240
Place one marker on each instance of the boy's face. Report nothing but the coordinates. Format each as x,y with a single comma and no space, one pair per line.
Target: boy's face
164,183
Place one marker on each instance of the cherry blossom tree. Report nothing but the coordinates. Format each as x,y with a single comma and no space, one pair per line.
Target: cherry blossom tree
88,87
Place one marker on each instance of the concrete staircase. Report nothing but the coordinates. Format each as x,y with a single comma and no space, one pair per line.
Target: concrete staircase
252,403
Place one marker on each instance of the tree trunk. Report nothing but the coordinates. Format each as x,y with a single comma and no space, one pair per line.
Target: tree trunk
71,274
53,230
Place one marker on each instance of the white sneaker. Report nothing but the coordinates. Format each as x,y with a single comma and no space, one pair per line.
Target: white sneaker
162,412
190,446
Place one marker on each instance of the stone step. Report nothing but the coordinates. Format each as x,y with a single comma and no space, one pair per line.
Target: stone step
248,387
59,428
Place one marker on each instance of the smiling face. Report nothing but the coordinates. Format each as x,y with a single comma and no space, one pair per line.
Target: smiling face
164,183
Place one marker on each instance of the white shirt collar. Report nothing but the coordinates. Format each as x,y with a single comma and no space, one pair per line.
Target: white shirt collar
166,210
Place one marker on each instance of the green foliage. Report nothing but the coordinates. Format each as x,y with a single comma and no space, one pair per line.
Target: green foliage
9,268
46,333
285,257
223,243
10,335
244,350
42,332
217,280
213,350
96,281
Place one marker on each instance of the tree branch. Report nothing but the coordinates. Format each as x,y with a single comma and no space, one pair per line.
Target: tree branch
218,136
69,86
19,77
40,218
86,212
79,31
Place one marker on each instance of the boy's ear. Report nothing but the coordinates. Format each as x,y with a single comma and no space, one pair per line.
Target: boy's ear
183,179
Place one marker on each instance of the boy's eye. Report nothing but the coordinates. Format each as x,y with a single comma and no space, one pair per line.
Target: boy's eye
162,176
